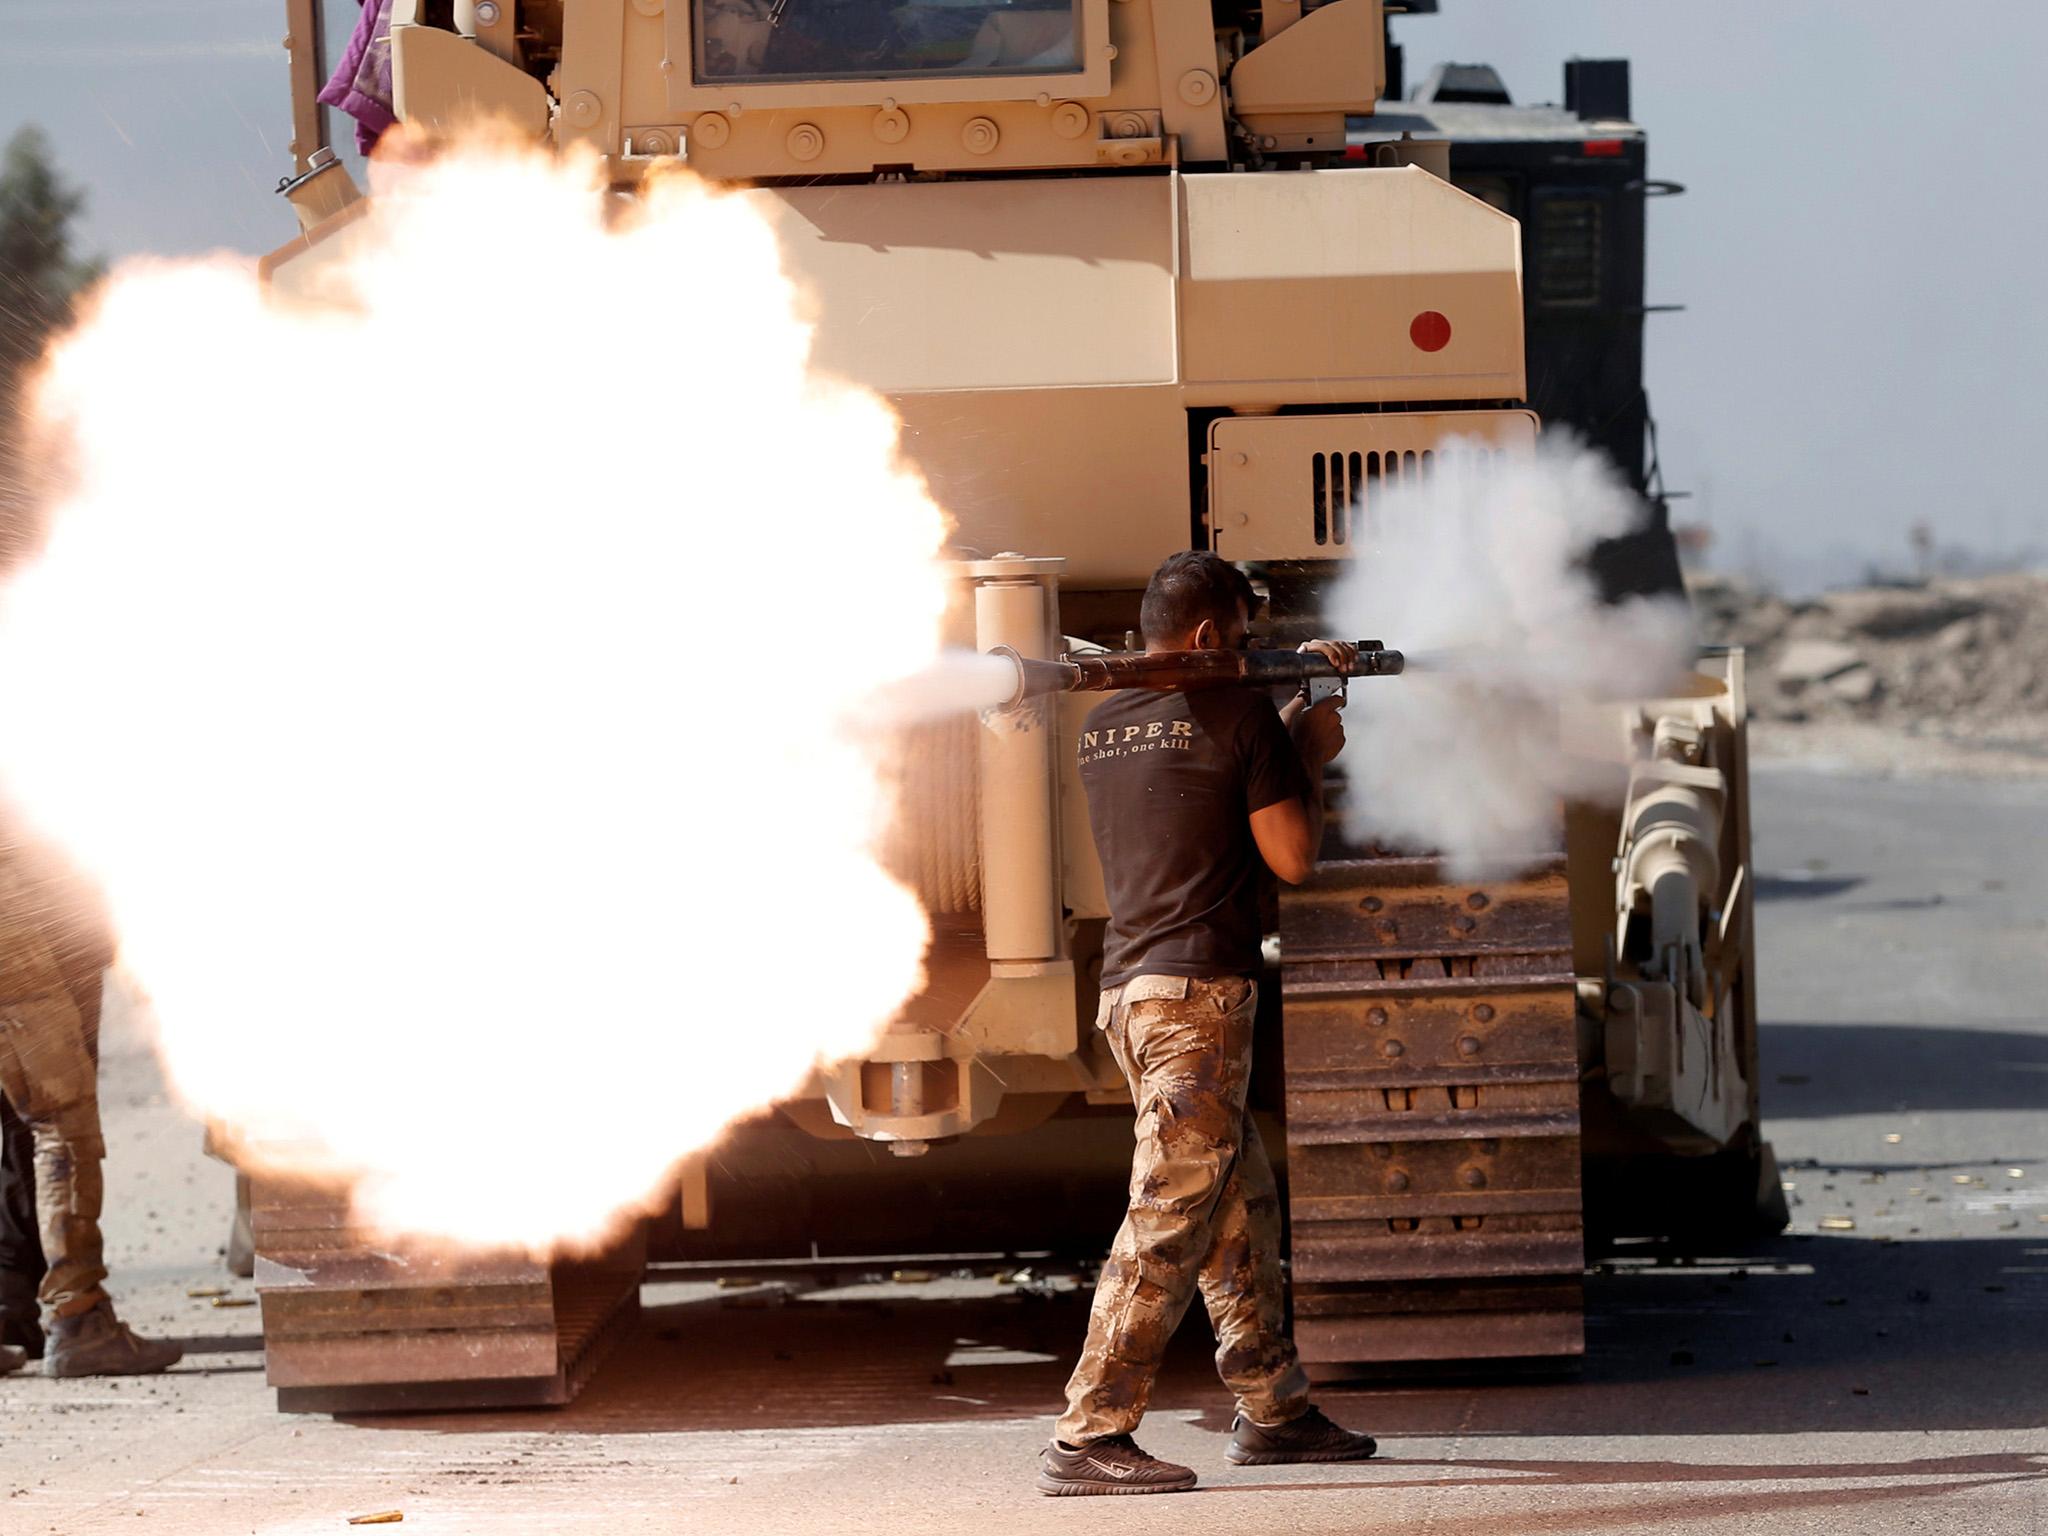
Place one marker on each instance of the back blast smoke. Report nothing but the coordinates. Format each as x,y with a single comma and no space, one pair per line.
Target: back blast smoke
355,668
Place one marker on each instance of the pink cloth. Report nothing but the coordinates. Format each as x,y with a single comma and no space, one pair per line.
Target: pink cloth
361,86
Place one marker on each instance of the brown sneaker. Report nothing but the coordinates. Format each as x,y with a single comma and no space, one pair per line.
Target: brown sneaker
1308,1438
1114,1465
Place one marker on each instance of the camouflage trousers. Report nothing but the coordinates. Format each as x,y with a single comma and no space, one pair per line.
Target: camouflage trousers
50,1079
1204,1213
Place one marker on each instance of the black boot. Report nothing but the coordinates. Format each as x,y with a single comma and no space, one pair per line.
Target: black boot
20,1324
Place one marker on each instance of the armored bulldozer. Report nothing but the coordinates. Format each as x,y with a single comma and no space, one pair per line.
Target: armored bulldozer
1140,275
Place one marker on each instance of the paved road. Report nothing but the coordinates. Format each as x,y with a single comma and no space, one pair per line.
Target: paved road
1892,1377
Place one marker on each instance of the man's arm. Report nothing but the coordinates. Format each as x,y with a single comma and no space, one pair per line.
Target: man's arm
1289,832
1291,836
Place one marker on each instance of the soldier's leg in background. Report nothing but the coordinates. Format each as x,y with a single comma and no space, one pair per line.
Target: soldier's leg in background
1189,1065
22,1261
21,1248
1242,1288
69,1194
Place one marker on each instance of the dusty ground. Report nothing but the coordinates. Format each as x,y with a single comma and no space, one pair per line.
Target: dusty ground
1893,1377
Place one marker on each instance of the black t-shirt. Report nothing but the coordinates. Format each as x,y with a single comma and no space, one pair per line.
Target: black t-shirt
1172,781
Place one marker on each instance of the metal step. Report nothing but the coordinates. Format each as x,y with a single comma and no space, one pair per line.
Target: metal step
1432,1101
355,1324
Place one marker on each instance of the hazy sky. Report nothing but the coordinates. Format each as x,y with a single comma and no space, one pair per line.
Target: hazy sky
1860,250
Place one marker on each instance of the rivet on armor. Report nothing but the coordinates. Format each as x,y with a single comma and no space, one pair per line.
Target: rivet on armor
1129,125
1392,1048
711,130
1397,1181
1483,1012
1473,1178
1478,901
487,12
981,135
1465,922
1371,904
892,125
653,141
1468,1045
806,141
1375,1016
1197,87
584,109
1070,119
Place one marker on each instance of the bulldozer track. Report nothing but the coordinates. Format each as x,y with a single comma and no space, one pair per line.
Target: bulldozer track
1431,1086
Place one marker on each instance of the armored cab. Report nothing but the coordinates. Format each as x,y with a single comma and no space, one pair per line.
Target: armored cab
1136,275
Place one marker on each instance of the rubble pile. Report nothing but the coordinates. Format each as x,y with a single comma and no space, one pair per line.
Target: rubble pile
1954,656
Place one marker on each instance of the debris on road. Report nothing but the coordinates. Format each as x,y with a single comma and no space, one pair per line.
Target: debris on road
1838,1224
1956,664
382,1517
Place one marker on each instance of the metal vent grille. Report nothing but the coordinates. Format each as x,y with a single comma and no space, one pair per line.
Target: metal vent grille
1568,247
1309,487
1344,486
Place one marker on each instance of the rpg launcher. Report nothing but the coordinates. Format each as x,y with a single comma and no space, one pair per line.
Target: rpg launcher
1166,671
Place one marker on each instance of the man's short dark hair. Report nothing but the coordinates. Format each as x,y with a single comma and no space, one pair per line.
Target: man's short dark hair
1189,587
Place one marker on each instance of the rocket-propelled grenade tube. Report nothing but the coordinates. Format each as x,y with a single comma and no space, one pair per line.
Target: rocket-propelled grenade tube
1106,671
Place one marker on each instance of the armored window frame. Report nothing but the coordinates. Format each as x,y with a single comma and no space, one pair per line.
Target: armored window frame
1089,79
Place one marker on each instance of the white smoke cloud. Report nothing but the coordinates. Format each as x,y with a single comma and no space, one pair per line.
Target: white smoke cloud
1476,572
457,690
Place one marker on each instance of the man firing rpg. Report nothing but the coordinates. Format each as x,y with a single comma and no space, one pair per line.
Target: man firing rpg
1193,796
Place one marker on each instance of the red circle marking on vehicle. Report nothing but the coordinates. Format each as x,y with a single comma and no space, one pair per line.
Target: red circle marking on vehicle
1430,331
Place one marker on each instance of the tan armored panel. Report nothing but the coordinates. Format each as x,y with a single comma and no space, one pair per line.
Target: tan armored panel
440,80
1295,90
1025,332
1321,287
1044,339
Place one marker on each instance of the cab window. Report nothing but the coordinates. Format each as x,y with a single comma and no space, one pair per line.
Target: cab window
883,39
